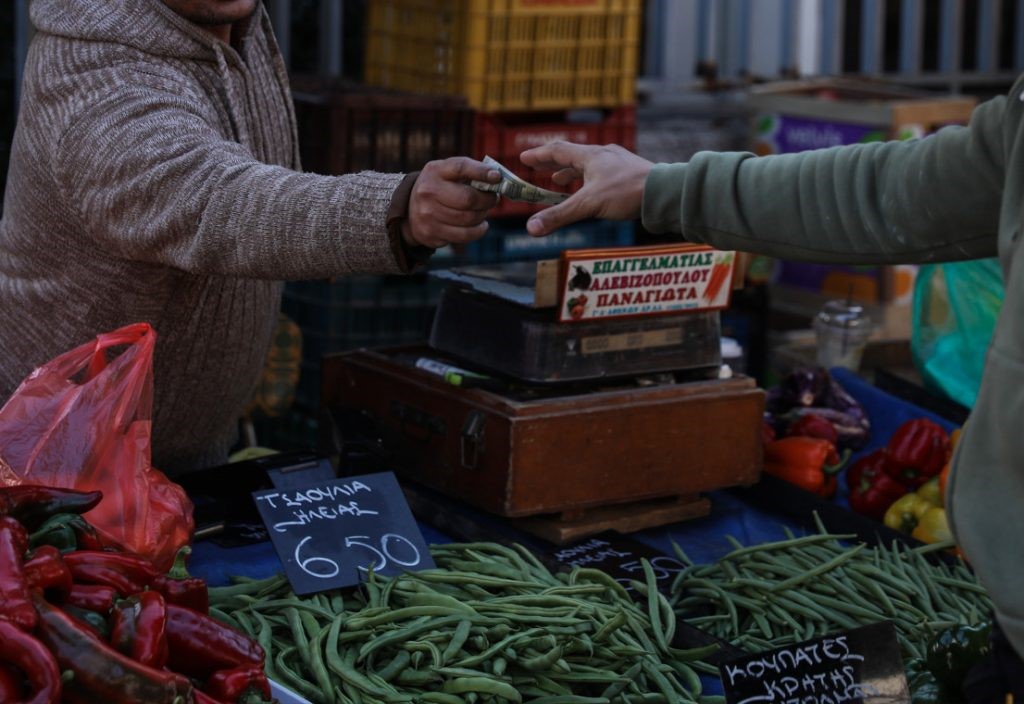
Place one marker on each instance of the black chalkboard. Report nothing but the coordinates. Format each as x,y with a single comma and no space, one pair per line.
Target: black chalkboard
328,534
619,556
862,665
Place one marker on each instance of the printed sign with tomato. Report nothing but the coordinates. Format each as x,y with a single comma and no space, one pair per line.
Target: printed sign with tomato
637,281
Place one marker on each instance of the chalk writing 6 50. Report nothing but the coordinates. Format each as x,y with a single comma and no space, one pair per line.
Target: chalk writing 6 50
326,568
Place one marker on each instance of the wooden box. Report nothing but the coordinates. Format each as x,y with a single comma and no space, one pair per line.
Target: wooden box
556,454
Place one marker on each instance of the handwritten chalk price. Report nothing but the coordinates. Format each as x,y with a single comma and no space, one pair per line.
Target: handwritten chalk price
331,534
620,557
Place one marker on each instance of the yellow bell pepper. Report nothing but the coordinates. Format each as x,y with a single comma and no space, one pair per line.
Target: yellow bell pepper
907,511
933,526
930,491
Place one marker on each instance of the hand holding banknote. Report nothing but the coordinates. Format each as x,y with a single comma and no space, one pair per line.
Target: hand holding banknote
515,188
613,183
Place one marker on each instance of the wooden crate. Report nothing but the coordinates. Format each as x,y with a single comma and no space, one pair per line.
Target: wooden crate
562,454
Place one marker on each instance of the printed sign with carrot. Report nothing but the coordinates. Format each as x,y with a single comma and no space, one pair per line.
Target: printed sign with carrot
636,281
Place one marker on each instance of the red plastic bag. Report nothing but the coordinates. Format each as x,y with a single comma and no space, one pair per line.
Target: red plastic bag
83,422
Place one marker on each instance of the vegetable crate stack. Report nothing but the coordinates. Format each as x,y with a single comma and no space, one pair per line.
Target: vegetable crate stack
344,128
533,71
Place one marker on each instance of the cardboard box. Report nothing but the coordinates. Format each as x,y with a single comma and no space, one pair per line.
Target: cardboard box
794,116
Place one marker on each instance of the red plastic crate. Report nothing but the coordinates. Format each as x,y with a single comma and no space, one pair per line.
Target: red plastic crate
504,136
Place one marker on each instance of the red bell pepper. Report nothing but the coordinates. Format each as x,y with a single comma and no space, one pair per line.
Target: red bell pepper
872,490
46,570
200,645
138,628
25,655
240,685
128,574
31,505
813,425
809,463
15,604
100,673
181,588
918,450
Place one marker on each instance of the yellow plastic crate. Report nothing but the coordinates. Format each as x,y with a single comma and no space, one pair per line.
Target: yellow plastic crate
507,54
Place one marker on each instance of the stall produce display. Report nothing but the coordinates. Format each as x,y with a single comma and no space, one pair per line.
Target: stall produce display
766,596
812,391
81,621
491,623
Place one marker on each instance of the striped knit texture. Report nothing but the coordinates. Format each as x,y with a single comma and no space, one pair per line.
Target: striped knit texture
154,177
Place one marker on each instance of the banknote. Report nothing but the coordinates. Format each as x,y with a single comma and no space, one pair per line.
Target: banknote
515,188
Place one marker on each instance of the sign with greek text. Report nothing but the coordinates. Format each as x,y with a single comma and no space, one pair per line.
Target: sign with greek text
859,666
330,534
619,556
633,281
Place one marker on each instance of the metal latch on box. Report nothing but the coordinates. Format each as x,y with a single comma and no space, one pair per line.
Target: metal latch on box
471,442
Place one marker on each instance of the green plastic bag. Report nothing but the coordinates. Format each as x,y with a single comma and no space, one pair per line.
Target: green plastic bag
954,314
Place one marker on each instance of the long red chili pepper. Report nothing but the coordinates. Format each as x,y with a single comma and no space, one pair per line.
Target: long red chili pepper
10,684
102,674
200,645
236,684
181,588
138,628
128,574
30,657
46,570
92,597
15,605
31,505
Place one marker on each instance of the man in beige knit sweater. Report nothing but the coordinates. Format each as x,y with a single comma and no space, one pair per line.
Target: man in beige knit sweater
155,177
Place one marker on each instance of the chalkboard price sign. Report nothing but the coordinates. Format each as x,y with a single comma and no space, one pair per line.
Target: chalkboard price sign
620,556
330,534
859,666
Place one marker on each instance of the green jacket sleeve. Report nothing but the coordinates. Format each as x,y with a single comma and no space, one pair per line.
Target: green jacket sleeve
932,199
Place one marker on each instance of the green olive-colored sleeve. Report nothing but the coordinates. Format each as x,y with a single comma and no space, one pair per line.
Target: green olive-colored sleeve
931,199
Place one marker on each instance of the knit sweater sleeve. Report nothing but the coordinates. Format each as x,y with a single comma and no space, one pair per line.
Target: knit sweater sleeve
151,179
932,199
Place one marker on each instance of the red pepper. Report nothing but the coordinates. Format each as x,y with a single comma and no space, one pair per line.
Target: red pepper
181,588
15,604
46,570
102,674
245,683
32,505
128,574
204,698
918,450
92,597
809,463
813,425
872,490
30,658
767,432
138,628
200,645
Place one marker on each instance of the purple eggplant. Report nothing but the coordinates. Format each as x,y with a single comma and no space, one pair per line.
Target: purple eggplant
813,390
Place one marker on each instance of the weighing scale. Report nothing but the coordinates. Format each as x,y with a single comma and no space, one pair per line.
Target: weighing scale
569,421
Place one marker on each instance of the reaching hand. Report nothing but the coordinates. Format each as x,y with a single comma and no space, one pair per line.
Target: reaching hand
613,183
444,208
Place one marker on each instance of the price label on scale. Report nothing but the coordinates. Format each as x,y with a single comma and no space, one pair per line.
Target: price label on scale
330,534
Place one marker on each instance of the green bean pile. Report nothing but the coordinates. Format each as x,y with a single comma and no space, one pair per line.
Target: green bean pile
490,624
775,594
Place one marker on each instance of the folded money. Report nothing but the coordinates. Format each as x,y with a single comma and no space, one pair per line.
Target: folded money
515,188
